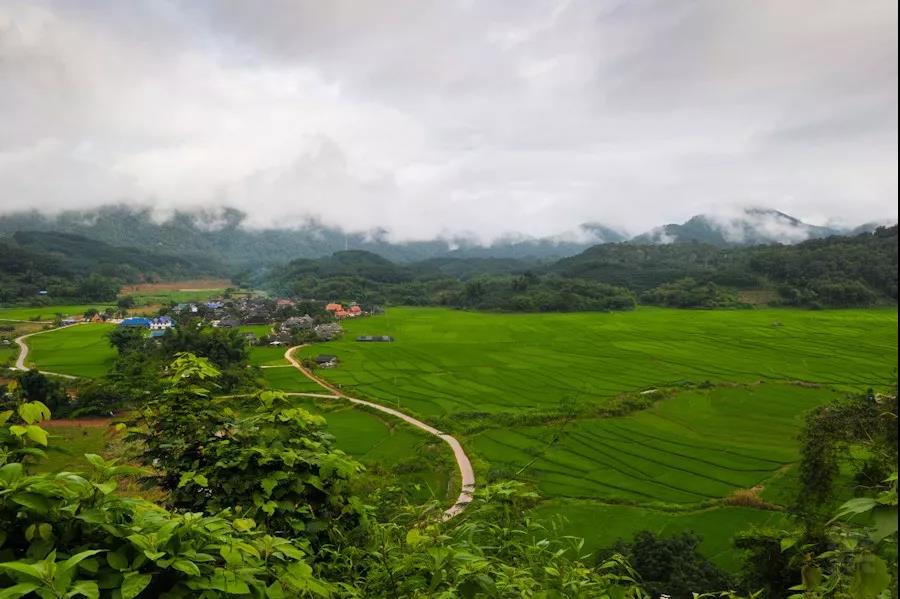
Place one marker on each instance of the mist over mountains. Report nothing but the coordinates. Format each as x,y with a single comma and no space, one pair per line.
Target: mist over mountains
222,236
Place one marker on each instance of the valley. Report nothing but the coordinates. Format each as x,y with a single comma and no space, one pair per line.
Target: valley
654,419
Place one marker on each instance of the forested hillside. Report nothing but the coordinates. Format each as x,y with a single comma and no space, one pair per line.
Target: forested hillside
838,271
857,270
69,266
835,271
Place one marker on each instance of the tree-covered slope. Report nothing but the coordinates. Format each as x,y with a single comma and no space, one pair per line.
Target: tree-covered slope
70,266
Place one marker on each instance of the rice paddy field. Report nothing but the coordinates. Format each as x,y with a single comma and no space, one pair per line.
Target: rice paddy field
82,350
48,313
391,447
736,386
726,393
446,362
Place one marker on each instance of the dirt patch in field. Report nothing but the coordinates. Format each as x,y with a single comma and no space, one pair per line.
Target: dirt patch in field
147,310
185,285
750,498
757,297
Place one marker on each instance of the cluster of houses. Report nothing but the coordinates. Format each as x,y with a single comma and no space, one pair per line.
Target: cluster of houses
351,311
280,313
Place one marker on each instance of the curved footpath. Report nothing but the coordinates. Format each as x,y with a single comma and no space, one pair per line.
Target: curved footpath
467,475
23,351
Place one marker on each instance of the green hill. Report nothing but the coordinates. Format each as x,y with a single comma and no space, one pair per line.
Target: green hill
73,267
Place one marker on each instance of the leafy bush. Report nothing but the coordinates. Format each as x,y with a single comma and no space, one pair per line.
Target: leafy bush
672,565
71,535
275,464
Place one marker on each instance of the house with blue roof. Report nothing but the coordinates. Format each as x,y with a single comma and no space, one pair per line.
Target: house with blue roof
137,321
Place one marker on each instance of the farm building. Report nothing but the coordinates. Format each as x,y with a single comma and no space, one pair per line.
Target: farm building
136,321
332,307
375,338
326,361
229,322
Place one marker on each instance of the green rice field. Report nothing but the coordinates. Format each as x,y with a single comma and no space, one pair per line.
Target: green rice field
603,525
287,378
267,355
695,447
726,393
48,312
82,350
385,444
736,384
446,361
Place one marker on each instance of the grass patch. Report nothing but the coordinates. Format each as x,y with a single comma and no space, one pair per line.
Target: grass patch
69,443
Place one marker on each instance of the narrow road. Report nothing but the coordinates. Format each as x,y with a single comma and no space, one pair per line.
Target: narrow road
23,351
467,475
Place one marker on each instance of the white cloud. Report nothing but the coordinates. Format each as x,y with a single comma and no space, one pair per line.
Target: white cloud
432,118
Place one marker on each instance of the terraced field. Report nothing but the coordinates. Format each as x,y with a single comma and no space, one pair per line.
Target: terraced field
82,350
734,405
693,448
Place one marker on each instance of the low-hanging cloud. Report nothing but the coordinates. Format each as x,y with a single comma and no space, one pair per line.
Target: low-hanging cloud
430,119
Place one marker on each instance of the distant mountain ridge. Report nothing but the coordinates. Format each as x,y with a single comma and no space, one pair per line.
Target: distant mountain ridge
754,226
221,236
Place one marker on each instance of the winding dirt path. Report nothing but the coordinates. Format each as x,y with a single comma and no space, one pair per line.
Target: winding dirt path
467,475
23,351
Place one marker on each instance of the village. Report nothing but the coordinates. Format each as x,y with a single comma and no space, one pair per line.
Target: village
275,321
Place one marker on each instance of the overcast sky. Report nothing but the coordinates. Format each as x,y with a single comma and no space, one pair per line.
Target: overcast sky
434,117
